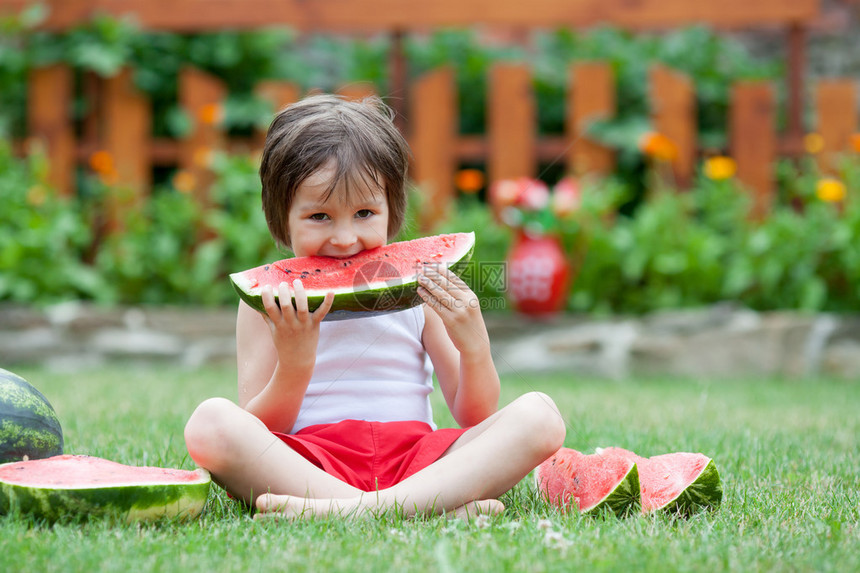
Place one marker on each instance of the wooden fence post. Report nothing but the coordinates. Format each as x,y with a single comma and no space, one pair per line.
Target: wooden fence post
357,90
511,123
836,110
279,94
49,100
752,132
433,105
591,97
202,96
127,117
673,110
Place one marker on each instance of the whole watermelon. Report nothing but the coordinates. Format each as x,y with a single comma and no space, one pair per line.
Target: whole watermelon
29,428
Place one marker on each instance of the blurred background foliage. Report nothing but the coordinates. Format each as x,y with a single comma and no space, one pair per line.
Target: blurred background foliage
674,249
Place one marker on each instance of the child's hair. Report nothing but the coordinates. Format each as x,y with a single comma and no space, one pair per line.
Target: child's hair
359,137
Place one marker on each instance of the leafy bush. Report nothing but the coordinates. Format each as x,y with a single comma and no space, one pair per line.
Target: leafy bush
43,237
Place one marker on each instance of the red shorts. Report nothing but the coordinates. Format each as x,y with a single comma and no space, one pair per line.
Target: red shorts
371,455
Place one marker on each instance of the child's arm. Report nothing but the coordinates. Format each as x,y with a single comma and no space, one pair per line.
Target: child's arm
276,352
457,342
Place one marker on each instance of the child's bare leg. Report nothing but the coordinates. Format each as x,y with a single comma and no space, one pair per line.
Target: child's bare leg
485,462
247,460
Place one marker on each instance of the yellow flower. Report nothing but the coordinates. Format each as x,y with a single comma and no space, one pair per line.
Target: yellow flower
184,181
469,180
211,113
657,146
36,195
720,167
813,143
830,190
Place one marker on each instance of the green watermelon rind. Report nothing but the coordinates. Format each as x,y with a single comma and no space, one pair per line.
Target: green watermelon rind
361,303
29,426
130,502
706,492
623,500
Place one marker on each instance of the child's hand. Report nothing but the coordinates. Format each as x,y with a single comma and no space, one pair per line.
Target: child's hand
295,331
457,306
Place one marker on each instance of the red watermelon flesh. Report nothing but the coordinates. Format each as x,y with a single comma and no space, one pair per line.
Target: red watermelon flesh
679,482
589,483
381,279
79,487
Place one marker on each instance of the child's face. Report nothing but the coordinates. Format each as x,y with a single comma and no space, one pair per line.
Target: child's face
336,228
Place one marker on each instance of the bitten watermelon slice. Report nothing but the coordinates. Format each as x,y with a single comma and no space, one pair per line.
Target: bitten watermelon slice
374,281
680,483
589,483
80,487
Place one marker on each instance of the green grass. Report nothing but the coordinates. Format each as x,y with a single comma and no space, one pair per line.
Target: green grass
787,452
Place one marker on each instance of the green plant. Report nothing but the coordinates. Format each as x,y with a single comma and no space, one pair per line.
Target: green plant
43,236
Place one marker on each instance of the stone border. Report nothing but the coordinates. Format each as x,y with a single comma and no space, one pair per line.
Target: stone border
722,341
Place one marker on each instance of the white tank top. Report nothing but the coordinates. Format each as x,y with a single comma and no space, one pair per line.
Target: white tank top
373,369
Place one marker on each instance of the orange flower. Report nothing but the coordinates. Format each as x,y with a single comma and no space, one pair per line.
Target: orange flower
102,162
184,181
202,157
720,167
657,146
830,190
813,143
855,142
211,114
469,180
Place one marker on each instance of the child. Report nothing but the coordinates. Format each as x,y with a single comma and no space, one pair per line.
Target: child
329,411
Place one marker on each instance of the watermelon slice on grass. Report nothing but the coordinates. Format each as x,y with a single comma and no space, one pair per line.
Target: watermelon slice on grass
374,281
80,487
678,483
590,484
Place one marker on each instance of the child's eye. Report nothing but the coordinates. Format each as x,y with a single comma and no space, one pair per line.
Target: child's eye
364,213
318,217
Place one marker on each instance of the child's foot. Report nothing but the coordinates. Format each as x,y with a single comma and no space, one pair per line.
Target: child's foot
271,506
473,509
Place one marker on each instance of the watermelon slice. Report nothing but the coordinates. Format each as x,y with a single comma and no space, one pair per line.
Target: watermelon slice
78,487
589,483
374,281
680,483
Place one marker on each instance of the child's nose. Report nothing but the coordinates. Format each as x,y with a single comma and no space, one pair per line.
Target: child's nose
344,236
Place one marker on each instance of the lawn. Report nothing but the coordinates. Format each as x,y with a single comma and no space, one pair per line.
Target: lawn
787,452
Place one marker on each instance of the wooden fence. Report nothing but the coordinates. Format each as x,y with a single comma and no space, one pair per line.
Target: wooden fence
510,147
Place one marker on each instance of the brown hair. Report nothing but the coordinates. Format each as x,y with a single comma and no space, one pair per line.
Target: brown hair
359,137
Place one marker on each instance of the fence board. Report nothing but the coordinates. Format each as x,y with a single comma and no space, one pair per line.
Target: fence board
434,119
49,99
835,102
673,110
512,123
279,94
197,15
201,96
357,90
752,132
591,97
127,118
